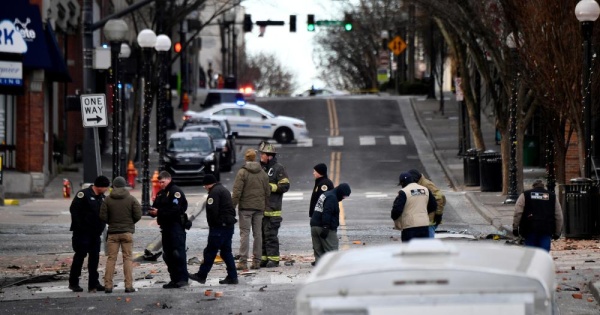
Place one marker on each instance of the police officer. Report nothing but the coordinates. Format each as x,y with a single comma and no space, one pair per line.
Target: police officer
411,209
169,207
322,184
280,184
87,228
220,216
538,216
326,220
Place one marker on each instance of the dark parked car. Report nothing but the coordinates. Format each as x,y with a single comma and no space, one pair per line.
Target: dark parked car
219,96
224,143
190,156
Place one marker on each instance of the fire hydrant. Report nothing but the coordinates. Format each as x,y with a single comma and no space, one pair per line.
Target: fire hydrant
131,174
155,185
185,102
66,188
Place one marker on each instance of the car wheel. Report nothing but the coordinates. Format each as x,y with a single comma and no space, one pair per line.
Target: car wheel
283,135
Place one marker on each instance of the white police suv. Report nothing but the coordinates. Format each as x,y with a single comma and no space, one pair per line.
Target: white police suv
250,120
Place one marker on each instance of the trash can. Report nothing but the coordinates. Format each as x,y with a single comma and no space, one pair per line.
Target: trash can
580,212
471,167
490,171
530,151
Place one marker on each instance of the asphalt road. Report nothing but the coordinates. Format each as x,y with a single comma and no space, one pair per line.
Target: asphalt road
365,141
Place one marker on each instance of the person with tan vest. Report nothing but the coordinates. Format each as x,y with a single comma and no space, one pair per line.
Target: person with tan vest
251,191
411,209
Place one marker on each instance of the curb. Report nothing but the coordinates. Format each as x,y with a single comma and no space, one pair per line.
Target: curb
595,289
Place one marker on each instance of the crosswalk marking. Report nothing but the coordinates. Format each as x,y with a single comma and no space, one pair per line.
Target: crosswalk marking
366,140
397,140
335,141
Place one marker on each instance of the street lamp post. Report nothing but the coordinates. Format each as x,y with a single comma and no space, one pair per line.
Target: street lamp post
512,165
124,54
146,39
115,32
163,44
587,11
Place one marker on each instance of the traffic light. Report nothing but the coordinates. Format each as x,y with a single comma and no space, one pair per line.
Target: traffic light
310,23
347,22
247,23
177,47
292,23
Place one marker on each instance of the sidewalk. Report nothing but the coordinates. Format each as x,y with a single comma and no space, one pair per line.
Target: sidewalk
577,259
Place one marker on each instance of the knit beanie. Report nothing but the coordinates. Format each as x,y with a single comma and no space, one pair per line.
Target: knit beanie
250,155
119,182
321,168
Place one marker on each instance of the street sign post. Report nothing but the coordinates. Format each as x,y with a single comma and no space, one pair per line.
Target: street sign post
93,110
397,45
93,114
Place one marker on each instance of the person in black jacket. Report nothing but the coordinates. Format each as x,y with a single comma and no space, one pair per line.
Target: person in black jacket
538,216
169,207
87,228
220,215
326,219
322,184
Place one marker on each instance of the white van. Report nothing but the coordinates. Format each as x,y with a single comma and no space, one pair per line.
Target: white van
429,276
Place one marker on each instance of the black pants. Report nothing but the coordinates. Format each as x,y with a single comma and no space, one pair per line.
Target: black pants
415,232
173,241
219,240
270,231
85,245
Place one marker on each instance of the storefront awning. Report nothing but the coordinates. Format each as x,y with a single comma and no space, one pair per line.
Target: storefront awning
42,50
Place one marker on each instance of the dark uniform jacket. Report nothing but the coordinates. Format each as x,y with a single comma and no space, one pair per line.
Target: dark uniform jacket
251,188
219,207
322,184
121,211
279,182
171,205
538,211
327,210
85,213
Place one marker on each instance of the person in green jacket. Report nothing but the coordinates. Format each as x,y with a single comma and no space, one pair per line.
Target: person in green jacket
120,211
435,218
251,191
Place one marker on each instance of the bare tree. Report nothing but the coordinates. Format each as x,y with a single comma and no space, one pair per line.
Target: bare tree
268,75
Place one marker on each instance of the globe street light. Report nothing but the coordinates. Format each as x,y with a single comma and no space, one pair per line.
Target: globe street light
163,44
146,39
587,11
123,54
115,32
512,164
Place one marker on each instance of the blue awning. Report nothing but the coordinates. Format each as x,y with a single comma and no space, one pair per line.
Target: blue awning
42,50
58,70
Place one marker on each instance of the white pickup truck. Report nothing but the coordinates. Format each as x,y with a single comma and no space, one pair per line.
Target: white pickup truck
430,276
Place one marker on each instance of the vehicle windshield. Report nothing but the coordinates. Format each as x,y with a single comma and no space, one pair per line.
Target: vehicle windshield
213,131
190,144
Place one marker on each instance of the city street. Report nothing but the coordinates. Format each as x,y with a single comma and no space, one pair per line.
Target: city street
366,141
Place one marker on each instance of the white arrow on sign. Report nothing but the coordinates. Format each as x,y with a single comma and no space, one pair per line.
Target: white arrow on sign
93,110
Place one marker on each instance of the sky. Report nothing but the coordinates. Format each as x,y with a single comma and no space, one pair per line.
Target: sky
294,50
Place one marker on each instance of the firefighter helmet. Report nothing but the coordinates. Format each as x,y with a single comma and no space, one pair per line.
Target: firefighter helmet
266,147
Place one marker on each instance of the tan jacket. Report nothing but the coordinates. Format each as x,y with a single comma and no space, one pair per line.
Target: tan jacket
437,194
415,209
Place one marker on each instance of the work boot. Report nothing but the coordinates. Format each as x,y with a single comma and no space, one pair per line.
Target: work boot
198,277
96,288
263,263
75,288
255,265
228,280
242,265
129,290
272,264
171,285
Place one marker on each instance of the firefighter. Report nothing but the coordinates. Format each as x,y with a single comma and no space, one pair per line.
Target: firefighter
280,184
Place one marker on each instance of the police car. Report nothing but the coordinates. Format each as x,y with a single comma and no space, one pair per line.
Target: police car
250,120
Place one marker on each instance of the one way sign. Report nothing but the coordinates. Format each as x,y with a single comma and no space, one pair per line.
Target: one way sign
93,110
